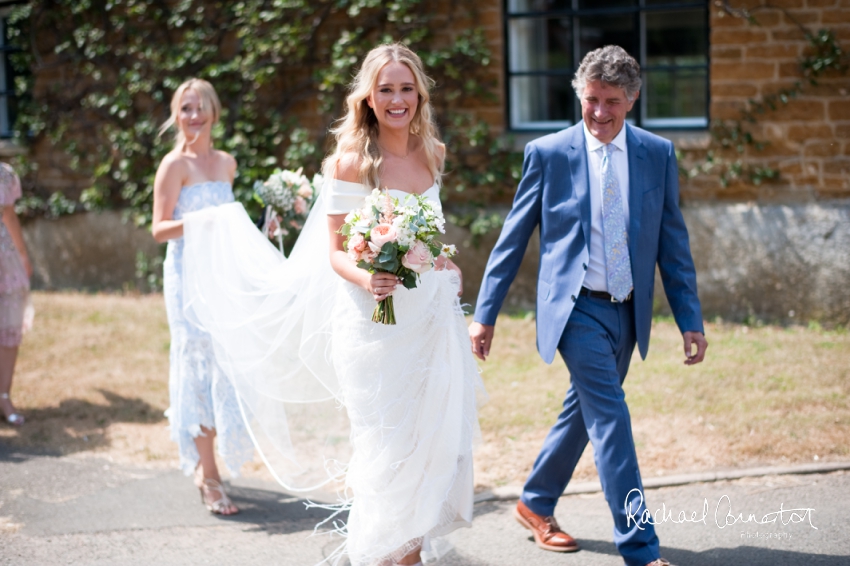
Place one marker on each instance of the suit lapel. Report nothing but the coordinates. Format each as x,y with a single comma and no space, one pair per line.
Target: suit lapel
637,185
577,154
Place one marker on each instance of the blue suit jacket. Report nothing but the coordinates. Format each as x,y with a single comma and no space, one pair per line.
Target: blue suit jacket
554,196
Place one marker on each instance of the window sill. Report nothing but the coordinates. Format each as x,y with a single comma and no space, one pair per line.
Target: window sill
682,139
10,148
685,139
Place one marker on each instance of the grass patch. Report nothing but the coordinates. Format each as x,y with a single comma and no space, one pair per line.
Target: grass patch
93,377
765,395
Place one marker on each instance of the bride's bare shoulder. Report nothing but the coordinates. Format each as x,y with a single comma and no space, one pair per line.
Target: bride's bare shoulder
348,167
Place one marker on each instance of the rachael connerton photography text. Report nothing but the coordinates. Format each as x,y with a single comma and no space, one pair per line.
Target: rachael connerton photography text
724,515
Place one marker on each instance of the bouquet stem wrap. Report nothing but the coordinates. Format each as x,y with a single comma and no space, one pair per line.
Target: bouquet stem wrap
384,311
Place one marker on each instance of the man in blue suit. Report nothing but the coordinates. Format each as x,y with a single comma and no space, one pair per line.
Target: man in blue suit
605,196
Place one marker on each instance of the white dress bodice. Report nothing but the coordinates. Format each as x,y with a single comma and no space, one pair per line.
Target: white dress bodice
345,196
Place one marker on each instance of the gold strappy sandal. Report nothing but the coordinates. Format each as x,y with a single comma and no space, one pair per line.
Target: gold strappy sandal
218,506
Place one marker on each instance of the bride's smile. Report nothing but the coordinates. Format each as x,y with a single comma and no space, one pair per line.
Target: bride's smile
395,98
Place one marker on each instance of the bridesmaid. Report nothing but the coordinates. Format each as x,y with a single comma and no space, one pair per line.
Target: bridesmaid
195,175
15,273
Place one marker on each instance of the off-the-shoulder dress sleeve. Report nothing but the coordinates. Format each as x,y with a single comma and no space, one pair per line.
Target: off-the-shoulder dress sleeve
10,185
344,196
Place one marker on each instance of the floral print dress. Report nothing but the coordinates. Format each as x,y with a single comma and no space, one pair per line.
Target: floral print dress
14,283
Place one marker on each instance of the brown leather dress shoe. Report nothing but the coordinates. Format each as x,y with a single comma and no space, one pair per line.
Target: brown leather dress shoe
547,534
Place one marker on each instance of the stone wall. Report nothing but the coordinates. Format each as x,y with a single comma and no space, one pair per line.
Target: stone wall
775,263
489,19
86,251
809,138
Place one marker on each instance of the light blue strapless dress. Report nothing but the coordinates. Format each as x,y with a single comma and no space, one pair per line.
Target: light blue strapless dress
201,394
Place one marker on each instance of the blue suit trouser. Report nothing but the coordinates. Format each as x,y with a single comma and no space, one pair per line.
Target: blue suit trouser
597,346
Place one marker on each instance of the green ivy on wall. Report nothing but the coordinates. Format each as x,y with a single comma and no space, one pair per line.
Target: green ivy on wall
725,159
95,78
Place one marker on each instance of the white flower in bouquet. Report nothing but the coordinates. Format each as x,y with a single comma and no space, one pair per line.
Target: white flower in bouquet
406,236
448,250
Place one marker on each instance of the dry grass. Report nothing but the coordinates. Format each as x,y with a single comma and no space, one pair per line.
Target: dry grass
763,396
93,379
92,376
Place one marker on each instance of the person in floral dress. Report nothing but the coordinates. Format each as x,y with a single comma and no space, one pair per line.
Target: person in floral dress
15,272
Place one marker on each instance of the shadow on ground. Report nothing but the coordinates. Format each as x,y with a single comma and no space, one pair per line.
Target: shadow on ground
749,555
76,425
276,513
485,508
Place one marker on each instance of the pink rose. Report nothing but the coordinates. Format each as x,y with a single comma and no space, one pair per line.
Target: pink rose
418,258
370,253
383,233
356,246
305,191
300,206
357,243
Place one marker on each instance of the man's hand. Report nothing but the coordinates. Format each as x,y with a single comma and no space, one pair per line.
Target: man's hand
481,336
691,339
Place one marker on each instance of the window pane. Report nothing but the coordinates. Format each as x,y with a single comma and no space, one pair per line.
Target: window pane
540,44
519,6
541,99
596,4
676,38
671,39
599,31
675,98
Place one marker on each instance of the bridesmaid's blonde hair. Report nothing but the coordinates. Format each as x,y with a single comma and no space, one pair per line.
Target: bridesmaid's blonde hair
209,103
357,131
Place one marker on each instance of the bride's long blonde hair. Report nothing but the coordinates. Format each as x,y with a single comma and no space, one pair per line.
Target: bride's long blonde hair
357,131
209,103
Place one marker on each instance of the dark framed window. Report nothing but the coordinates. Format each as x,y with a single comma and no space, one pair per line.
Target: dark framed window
8,100
545,40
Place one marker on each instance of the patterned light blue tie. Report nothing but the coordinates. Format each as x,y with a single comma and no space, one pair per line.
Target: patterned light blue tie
617,262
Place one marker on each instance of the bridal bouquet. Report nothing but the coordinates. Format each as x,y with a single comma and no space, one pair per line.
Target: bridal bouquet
288,197
395,237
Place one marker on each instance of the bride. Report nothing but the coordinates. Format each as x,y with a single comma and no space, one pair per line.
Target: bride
296,337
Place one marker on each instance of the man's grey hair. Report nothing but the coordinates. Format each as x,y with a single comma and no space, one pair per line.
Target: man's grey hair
612,65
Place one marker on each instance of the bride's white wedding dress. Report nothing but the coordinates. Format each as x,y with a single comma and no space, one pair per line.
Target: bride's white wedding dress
385,415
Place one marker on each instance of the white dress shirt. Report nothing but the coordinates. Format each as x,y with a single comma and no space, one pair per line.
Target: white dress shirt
596,277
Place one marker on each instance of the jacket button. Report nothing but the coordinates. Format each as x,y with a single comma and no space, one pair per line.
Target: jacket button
573,297
584,265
